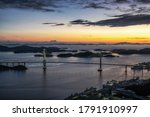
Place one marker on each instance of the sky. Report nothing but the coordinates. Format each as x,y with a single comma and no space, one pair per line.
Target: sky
86,21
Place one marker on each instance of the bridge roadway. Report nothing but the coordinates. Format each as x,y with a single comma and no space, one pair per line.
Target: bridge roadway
95,63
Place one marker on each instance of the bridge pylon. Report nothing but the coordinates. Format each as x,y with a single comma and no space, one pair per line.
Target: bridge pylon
44,59
100,63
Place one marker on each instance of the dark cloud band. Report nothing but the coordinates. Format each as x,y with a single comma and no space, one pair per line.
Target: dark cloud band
119,21
52,5
54,24
43,5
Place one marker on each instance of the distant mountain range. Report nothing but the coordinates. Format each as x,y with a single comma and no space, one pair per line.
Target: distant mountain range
54,42
30,49
127,43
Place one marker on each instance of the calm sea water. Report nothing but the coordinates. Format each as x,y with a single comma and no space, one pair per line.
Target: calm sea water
61,80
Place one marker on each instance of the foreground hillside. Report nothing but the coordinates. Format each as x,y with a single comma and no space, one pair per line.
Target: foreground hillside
134,89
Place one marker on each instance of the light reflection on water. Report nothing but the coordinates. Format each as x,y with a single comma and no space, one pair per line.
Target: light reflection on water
61,80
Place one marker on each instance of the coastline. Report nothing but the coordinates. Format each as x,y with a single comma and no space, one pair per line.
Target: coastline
134,89
70,77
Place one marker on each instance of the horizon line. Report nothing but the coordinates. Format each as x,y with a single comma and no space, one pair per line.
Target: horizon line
63,42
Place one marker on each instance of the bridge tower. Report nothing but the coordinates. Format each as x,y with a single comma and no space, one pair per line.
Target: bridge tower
100,63
44,59
126,72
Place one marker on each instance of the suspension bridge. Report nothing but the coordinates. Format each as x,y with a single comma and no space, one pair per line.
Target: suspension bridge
45,62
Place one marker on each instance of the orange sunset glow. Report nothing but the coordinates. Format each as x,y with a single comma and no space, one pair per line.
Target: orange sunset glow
132,34
75,25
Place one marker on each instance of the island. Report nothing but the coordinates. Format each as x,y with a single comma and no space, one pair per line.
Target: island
131,51
16,68
88,54
31,49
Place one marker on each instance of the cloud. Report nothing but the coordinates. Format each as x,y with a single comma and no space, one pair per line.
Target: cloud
96,6
128,6
81,22
53,5
54,24
42,5
118,21
126,20
144,1
121,1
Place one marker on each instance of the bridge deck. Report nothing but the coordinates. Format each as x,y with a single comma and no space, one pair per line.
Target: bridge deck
96,63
